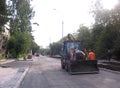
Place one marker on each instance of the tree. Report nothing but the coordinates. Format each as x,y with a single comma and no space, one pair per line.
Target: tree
44,51
35,48
55,48
20,27
22,14
3,13
19,44
84,36
106,30
117,48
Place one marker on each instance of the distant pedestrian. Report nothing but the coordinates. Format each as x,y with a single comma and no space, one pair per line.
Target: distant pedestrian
109,55
91,55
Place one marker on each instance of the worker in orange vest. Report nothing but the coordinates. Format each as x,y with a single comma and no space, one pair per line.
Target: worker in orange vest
91,55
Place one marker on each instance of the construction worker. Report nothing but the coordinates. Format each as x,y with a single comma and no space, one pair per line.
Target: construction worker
91,55
86,54
72,54
109,55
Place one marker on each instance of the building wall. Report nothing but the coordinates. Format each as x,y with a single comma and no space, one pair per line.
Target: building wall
4,35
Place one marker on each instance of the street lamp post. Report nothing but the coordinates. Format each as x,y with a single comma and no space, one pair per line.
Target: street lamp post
62,25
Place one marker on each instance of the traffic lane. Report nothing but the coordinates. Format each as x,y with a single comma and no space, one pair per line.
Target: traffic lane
46,73
104,79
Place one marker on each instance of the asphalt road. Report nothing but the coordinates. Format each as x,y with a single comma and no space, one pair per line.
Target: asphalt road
46,73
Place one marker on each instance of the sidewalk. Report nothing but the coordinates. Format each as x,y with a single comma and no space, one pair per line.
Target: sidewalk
12,72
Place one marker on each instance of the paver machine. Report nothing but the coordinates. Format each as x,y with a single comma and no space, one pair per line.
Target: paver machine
73,59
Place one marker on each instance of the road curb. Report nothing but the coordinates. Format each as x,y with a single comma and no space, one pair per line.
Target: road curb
112,71
6,61
21,78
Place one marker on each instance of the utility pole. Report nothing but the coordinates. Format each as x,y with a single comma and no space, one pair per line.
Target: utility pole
62,24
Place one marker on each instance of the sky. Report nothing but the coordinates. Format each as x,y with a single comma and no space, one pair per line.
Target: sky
50,14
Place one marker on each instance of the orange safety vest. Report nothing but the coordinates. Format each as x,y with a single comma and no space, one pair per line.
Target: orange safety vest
91,56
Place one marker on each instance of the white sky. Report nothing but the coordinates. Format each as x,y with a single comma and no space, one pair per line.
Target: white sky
50,13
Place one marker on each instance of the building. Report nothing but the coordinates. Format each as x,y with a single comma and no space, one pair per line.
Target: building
4,35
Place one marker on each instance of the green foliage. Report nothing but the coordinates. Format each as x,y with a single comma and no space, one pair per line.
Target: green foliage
2,58
19,44
35,48
106,31
55,48
3,13
44,51
21,39
11,46
22,13
84,36
117,47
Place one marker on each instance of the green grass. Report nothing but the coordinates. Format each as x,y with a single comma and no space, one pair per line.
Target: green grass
2,58
21,57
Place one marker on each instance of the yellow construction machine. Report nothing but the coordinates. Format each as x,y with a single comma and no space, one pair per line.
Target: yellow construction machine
73,60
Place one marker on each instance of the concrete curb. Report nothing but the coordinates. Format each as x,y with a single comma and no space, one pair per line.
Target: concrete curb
6,61
21,78
112,71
